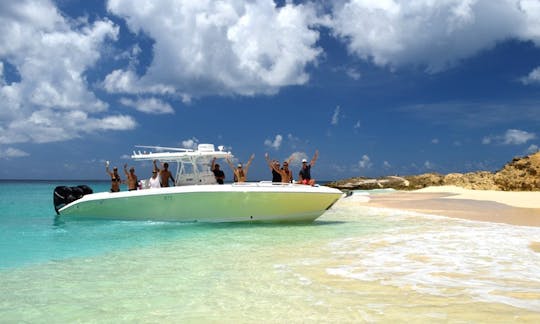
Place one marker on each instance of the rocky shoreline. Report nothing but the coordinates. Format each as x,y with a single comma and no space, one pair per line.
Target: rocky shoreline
520,174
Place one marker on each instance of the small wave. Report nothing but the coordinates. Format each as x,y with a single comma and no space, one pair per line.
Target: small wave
442,257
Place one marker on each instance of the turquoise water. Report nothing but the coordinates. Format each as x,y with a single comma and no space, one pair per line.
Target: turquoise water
353,264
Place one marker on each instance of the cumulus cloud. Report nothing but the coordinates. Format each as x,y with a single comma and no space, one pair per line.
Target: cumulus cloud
148,105
533,148
11,152
516,137
296,157
510,137
51,99
532,77
276,143
433,34
365,162
191,143
219,47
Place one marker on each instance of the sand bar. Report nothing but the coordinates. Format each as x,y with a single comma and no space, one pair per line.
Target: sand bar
516,208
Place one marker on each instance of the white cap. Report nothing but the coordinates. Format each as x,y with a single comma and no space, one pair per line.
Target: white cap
239,164
304,160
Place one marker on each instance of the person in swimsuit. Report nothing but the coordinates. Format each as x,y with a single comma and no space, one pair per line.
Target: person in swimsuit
132,180
305,172
286,173
218,173
279,174
115,178
240,172
164,174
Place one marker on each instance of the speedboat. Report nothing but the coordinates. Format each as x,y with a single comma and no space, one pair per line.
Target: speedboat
196,196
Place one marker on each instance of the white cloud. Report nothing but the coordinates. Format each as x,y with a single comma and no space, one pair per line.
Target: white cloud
357,125
532,77
191,143
296,157
11,152
387,165
119,81
365,162
276,143
51,54
219,47
434,34
435,141
532,149
516,137
510,137
353,73
335,116
148,105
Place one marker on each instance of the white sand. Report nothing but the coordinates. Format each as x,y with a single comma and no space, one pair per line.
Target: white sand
523,199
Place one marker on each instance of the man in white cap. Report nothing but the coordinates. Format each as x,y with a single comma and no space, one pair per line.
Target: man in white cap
304,176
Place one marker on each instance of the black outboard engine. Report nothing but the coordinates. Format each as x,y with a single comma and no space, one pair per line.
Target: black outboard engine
64,195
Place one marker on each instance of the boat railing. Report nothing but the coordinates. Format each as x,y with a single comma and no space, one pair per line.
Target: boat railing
193,166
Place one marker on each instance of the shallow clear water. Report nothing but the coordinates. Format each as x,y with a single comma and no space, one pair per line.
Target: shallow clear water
353,264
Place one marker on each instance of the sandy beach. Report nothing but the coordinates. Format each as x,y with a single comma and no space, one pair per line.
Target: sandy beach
516,208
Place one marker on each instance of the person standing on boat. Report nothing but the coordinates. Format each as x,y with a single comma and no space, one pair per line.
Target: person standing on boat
274,167
305,172
286,173
279,174
218,173
240,172
132,180
164,174
115,177
154,181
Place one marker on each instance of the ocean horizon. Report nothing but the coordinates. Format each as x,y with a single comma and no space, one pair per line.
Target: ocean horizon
353,264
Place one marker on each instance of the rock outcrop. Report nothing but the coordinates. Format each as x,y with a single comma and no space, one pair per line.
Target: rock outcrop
521,174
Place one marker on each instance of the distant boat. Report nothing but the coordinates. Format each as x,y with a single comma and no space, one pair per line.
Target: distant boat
197,197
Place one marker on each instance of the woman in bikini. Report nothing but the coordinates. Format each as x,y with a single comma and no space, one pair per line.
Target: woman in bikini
115,178
240,172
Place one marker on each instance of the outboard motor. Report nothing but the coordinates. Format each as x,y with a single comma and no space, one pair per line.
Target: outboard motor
64,195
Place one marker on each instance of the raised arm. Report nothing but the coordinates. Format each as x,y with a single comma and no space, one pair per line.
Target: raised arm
107,169
125,170
249,162
289,160
270,163
155,165
314,157
230,164
213,164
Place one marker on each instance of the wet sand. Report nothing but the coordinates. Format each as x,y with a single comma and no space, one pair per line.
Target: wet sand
476,205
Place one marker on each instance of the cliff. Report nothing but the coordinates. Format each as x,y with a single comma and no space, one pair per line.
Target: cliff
520,174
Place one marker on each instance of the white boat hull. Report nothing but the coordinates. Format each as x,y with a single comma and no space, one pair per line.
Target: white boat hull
247,202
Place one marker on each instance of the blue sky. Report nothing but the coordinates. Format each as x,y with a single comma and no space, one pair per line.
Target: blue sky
377,86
